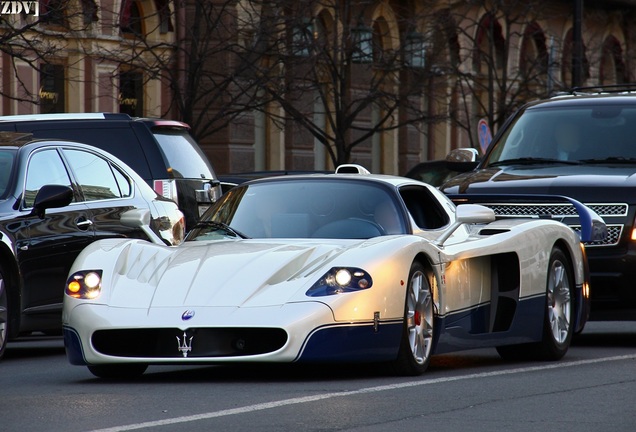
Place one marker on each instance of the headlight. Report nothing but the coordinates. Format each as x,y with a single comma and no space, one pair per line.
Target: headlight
340,280
86,284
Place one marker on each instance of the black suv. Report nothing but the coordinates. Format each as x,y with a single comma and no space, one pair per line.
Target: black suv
581,145
162,152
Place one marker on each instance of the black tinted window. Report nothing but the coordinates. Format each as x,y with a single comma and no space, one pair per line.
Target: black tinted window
45,167
569,133
93,174
183,156
6,165
119,141
308,208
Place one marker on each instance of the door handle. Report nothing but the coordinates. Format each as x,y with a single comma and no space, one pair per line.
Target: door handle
84,224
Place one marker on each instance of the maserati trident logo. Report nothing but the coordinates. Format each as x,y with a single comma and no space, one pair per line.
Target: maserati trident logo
186,346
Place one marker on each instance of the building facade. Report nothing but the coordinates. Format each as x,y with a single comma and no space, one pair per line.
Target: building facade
288,85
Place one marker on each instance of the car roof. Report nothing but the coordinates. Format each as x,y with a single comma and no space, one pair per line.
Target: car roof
73,117
583,100
395,181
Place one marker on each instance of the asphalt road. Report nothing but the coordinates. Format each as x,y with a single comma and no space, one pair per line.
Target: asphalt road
592,389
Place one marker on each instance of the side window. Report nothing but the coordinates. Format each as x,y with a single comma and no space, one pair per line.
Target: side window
424,208
94,175
122,182
45,167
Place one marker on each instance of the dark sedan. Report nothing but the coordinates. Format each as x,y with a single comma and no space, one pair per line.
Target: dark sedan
56,197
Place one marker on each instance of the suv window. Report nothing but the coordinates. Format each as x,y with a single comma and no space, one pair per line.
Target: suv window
576,134
114,139
94,175
45,167
183,155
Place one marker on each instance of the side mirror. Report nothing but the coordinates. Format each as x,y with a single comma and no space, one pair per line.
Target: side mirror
51,196
140,218
462,159
467,214
474,213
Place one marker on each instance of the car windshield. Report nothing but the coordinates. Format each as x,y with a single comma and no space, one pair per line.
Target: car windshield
573,135
6,165
308,208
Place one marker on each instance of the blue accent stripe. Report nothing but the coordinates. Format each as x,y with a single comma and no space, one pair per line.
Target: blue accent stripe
353,343
73,346
464,330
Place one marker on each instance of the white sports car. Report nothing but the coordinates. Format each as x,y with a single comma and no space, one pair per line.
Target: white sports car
345,267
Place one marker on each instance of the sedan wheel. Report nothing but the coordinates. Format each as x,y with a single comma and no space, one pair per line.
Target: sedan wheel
418,328
4,315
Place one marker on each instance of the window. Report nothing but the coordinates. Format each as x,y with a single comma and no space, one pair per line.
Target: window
130,18
131,93
94,174
165,22
52,12
45,167
89,11
52,89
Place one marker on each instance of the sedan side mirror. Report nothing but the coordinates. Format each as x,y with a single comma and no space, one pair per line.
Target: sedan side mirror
51,196
462,159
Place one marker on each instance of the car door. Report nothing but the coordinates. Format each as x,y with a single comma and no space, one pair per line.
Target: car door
107,192
52,242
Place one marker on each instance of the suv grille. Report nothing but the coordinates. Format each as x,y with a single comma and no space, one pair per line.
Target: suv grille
518,210
614,231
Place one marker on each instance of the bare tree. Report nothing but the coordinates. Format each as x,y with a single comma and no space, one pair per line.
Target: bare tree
35,33
507,59
338,75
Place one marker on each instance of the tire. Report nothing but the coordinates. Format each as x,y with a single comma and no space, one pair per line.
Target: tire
118,371
416,344
4,314
557,321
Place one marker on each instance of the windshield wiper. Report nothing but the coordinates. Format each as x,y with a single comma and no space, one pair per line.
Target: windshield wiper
613,159
532,161
221,226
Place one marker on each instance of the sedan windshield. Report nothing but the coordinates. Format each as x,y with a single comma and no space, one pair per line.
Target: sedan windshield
309,208
569,135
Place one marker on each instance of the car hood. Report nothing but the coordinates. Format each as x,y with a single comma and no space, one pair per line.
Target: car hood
583,182
247,273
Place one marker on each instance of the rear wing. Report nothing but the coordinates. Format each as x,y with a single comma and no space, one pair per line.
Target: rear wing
592,225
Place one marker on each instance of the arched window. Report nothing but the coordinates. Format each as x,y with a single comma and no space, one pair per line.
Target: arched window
89,11
488,64
612,69
130,21
489,46
534,62
165,21
53,12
